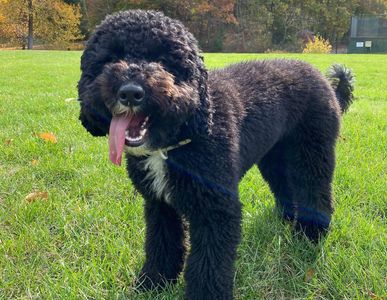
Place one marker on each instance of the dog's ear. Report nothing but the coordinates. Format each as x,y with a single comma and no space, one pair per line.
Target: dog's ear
201,121
94,115
95,121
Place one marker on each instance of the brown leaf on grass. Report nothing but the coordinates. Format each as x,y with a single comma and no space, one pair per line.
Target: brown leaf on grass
32,197
374,296
48,137
34,162
8,142
309,274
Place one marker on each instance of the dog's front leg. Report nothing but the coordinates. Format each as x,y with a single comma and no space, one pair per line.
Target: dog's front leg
164,246
214,235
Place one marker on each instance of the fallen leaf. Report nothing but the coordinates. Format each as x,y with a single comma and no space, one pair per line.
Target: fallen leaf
48,137
373,295
309,275
32,197
8,142
70,99
34,162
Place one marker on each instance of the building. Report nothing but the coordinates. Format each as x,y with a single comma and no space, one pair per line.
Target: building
368,34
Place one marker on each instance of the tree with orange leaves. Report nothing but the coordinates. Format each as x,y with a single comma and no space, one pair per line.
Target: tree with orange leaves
51,21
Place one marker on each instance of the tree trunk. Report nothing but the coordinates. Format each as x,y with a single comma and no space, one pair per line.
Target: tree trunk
30,26
85,21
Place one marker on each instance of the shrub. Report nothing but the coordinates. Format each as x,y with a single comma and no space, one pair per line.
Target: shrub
319,45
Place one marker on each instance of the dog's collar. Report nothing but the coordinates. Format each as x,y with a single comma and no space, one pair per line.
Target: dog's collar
164,151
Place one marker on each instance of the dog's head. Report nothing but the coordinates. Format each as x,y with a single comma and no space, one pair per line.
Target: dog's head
143,79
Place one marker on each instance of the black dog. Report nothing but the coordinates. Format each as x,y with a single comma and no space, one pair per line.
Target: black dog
190,136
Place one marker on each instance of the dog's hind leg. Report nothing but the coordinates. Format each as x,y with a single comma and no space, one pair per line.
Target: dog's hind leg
273,169
299,170
310,162
164,246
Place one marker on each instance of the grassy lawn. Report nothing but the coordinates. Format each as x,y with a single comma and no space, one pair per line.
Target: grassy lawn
85,240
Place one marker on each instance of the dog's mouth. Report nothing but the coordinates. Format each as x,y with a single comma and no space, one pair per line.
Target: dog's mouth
136,132
127,129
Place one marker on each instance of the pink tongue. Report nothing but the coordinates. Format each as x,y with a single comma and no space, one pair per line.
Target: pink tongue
118,126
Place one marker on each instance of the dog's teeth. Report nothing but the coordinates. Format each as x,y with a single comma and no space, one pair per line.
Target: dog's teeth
134,139
144,123
140,135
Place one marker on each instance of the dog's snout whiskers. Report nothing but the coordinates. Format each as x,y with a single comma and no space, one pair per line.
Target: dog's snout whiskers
119,109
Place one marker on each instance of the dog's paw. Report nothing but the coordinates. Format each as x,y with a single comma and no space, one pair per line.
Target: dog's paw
313,229
148,282
145,282
205,294
314,224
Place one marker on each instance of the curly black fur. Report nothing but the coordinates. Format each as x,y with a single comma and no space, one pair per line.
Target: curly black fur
281,115
342,80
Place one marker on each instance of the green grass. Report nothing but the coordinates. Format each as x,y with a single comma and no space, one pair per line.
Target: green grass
85,241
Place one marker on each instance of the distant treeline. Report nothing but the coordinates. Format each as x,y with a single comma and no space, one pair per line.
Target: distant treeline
240,25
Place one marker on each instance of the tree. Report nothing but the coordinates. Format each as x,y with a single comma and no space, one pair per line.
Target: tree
51,21
250,32
219,25
61,23
247,25
370,7
14,21
206,19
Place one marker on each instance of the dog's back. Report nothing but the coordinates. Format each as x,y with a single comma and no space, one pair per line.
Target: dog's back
269,99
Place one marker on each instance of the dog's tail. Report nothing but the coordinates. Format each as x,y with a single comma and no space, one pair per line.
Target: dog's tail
342,80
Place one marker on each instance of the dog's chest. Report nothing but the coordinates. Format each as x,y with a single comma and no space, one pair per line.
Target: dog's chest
156,175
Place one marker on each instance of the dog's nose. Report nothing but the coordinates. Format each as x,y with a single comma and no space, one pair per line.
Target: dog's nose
131,94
